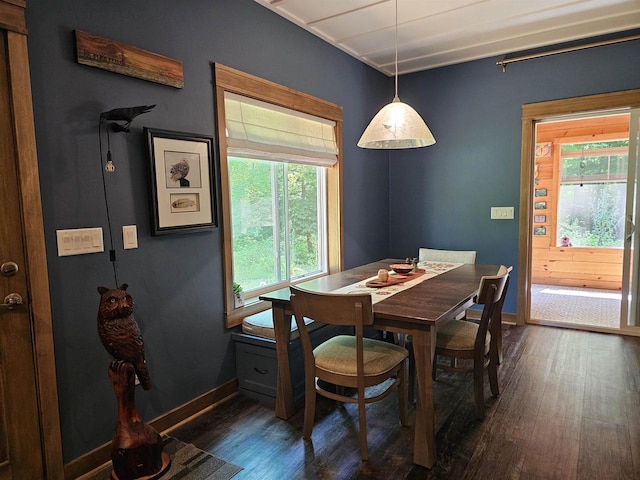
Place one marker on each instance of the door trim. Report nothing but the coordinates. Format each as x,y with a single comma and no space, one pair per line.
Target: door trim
532,113
12,19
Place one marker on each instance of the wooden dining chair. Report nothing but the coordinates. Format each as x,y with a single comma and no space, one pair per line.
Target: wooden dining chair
435,255
496,334
451,256
471,342
351,361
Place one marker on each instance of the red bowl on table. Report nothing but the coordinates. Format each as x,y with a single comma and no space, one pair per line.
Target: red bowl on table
402,268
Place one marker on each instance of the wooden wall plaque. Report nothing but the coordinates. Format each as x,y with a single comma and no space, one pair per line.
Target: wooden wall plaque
117,57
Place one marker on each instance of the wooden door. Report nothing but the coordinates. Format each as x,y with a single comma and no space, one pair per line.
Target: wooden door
20,447
30,443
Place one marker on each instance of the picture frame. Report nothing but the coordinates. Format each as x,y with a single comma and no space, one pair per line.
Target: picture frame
541,192
182,181
539,218
540,231
540,205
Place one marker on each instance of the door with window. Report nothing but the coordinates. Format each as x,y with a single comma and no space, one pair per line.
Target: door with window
578,219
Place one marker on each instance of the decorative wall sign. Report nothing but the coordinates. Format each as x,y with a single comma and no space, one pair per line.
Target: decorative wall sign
543,149
540,231
118,57
541,192
540,205
539,218
182,181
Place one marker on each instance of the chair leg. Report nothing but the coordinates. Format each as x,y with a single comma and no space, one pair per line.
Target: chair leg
309,407
478,388
493,372
402,395
499,341
362,415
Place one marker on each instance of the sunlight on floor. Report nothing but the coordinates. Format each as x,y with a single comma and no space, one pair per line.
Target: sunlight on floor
583,293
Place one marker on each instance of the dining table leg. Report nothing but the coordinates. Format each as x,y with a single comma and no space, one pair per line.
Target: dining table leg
285,407
424,445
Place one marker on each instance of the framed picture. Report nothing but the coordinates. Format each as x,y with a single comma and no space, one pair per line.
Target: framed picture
541,192
539,218
540,231
540,205
182,181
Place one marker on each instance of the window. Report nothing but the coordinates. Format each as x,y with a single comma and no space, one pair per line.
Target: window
591,201
278,221
280,184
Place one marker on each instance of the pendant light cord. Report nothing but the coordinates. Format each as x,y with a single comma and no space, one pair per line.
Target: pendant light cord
112,252
396,42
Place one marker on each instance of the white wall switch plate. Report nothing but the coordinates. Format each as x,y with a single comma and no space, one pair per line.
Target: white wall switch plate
79,241
502,213
129,236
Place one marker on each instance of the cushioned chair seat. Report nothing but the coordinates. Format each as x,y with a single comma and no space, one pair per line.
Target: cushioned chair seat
336,355
261,325
459,335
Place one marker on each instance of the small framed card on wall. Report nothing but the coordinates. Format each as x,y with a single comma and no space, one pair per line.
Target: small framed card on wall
540,205
541,192
540,231
539,218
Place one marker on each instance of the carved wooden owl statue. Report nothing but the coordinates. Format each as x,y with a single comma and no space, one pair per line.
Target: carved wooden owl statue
120,333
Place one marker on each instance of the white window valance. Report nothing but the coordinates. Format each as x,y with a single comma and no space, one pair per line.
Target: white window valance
265,131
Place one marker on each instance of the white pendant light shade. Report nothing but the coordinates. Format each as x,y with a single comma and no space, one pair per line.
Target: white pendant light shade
397,125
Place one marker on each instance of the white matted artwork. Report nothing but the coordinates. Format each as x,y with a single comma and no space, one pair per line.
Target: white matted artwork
182,169
182,181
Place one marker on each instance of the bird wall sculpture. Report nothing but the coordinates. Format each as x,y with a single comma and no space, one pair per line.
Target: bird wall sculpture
119,331
126,115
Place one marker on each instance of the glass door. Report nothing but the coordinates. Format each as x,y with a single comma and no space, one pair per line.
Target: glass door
630,311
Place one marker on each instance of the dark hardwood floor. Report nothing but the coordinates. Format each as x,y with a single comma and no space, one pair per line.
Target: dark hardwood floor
569,408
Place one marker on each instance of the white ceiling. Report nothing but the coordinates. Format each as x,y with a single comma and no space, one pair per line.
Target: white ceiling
434,33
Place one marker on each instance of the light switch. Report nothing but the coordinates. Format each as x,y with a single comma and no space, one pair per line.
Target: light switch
129,236
79,241
502,213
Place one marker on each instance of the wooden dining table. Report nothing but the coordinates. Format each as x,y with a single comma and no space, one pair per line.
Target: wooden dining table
417,311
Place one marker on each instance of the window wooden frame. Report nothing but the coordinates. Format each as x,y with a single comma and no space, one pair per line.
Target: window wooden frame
235,81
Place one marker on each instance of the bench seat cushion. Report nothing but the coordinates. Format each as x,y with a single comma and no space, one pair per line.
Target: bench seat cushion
261,325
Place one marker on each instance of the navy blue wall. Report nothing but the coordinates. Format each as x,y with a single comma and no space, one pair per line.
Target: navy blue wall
176,280
441,195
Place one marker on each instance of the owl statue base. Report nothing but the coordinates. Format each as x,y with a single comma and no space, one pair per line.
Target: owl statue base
136,448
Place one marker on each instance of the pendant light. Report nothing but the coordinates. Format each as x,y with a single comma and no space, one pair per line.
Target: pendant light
396,125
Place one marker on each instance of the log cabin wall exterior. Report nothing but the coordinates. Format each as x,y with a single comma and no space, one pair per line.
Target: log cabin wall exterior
570,266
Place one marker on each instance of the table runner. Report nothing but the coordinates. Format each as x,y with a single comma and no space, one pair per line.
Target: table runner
431,269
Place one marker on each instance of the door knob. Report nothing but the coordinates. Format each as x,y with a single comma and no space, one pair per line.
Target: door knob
12,301
9,269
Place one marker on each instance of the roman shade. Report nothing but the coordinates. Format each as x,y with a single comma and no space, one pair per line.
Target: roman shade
265,131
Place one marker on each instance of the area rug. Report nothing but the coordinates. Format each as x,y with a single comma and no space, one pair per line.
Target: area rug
584,306
187,463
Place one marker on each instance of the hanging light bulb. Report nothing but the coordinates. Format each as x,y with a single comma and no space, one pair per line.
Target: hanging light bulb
396,125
